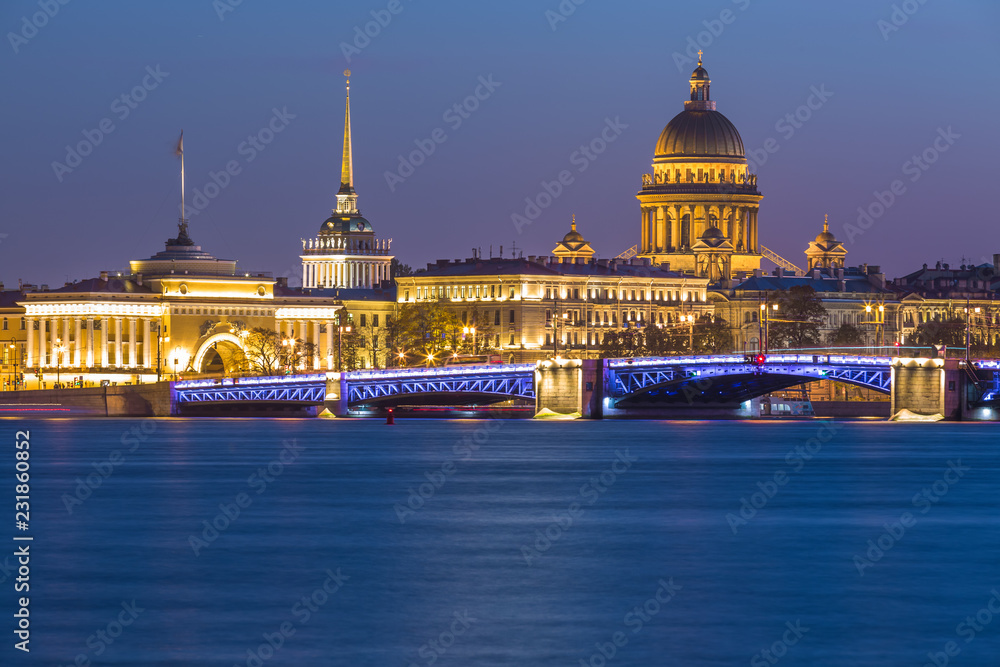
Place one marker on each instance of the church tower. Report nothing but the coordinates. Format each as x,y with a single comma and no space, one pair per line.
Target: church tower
346,253
826,252
699,205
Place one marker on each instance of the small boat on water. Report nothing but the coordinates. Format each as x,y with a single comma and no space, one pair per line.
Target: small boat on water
781,406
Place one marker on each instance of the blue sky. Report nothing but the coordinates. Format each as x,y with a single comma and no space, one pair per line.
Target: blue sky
222,75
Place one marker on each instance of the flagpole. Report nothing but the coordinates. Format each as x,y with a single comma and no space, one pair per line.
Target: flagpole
183,216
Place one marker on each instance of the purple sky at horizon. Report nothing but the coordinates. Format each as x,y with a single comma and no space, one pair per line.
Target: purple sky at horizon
890,95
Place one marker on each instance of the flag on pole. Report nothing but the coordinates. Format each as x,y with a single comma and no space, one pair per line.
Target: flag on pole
179,151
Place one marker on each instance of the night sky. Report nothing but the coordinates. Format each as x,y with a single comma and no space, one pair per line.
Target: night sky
891,91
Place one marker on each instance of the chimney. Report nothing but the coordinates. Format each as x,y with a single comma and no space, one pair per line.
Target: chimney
758,273
104,276
531,258
603,263
581,260
840,273
281,281
815,273
780,272
996,263
665,266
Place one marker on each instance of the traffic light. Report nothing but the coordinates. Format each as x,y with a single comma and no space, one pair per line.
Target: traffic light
761,359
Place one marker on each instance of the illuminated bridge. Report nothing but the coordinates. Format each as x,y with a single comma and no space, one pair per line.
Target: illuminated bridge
734,379
621,383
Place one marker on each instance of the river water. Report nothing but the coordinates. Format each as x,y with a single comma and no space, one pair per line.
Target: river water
481,543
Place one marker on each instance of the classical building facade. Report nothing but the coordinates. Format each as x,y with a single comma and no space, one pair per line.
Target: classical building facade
539,306
940,293
346,253
858,296
699,204
180,312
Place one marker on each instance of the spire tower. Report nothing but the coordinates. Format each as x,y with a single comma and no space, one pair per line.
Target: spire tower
347,198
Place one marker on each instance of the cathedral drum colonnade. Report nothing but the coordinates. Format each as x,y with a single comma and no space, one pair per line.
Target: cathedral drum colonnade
699,204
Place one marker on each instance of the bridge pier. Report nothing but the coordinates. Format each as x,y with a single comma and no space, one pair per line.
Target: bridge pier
568,388
928,386
336,394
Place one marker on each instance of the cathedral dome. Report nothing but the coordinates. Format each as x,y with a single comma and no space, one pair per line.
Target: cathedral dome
713,233
700,133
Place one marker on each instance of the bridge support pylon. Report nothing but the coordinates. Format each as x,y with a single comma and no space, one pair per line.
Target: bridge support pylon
927,386
568,388
336,394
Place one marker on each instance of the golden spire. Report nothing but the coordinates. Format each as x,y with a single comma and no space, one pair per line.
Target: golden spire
573,224
347,166
826,223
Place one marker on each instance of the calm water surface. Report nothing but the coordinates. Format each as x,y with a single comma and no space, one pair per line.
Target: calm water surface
533,543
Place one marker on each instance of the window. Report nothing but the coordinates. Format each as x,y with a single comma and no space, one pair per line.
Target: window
576,293
375,320
5,324
612,295
362,319
496,319
406,295
512,293
633,295
548,293
465,317
22,324
511,338
511,316
493,293
548,339
548,317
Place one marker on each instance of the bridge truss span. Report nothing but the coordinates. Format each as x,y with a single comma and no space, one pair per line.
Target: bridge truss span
500,381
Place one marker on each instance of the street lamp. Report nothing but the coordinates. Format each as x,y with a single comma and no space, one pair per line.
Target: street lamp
466,331
60,350
13,363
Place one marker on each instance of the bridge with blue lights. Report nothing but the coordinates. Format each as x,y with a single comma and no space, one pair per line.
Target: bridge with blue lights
624,383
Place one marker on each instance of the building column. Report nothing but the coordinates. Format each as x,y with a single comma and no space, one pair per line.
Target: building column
329,346
642,234
65,341
104,342
30,359
53,337
118,342
132,347
42,356
756,247
316,345
78,342
90,342
145,343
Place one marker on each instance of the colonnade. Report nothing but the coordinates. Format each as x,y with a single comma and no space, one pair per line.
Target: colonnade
348,274
78,347
311,331
676,227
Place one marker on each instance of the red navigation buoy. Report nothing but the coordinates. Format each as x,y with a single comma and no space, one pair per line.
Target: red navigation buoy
389,419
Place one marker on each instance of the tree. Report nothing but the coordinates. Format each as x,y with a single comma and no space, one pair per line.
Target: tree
950,332
427,330
847,335
622,343
712,335
397,269
664,341
800,313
